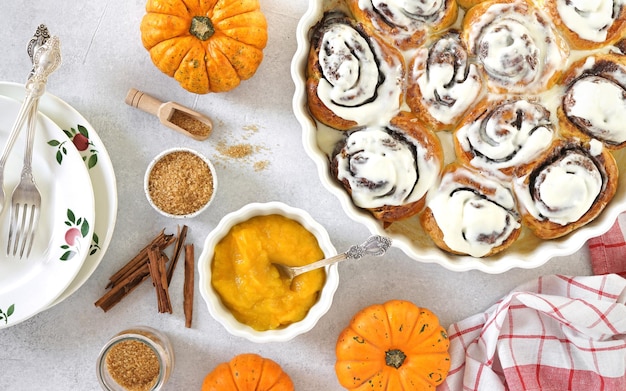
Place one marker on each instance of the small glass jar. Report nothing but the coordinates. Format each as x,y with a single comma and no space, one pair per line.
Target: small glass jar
145,351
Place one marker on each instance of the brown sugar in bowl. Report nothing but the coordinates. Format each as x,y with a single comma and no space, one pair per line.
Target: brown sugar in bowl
180,183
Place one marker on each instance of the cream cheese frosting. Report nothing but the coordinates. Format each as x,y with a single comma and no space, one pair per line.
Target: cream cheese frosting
358,85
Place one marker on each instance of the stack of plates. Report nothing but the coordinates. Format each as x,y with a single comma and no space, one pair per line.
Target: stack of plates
79,202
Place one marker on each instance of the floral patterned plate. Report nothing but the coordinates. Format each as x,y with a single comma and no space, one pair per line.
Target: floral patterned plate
64,234
100,169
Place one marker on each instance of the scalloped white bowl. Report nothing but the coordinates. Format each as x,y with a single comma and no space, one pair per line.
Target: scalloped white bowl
528,252
217,309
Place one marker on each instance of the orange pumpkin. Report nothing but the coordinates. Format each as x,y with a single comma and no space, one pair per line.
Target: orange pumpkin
206,45
393,346
248,372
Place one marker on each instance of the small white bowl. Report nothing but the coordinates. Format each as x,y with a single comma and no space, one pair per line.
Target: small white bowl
223,315
161,156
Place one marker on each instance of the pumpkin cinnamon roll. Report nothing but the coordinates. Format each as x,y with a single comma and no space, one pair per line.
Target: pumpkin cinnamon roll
518,48
388,170
442,84
353,77
567,189
471,214
504,135
594,102
588,24
406,23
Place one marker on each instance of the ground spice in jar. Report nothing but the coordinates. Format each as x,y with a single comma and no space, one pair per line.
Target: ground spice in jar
133,365
189,123
180,183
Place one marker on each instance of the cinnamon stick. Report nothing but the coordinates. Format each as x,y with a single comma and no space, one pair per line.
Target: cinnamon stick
178,246
129,276
161,240
124,287
188,284
158,273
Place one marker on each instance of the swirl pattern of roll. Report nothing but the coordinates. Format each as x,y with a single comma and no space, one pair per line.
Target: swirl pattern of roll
588,24
406,23
353,77
518,48
567,189
441,83
504,135
471,214
594,102
388,170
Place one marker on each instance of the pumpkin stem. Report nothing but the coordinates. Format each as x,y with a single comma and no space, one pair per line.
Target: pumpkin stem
201,27
394,358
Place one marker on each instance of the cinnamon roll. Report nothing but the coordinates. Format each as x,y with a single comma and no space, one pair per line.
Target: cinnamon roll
518,48
471,214
442,84
388,170
588,24
567,189
504,135
467,4
406,23
353,77
594,102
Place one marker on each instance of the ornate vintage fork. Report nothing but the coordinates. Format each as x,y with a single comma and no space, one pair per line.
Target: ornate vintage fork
26,199
40,37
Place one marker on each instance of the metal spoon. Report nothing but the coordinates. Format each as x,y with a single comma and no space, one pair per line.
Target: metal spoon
375,245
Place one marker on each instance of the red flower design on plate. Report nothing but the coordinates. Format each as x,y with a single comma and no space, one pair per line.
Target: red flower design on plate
80,139
78,228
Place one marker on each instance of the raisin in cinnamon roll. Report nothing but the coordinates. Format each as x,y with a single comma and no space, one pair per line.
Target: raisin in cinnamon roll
406,23
518,48
504,135
388,170
588,24
567,189
594,102
470,213
353,77
442,84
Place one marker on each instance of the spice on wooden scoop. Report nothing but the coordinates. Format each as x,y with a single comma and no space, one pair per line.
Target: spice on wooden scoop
173,115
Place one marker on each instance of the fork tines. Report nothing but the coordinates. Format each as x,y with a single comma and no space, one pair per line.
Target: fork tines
27,215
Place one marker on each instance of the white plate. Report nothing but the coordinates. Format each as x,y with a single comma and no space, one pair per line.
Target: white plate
100,170
527,252
66,225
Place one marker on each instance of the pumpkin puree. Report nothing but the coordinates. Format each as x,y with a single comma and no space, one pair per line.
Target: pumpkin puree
251,288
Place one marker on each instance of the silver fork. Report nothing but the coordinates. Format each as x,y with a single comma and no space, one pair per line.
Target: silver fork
39,38
26,198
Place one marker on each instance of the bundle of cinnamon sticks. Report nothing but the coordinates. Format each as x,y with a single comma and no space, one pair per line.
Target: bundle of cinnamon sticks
153,262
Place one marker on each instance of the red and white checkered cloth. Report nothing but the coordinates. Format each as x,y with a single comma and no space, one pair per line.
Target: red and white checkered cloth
553,333
608,251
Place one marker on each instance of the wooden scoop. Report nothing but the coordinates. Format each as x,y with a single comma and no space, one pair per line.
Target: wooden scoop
173,115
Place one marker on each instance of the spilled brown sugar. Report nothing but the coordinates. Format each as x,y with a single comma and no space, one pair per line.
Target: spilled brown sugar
243,150
236,151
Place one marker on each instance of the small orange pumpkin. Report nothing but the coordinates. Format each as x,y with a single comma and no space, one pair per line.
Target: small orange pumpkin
248,372
206,45
393,346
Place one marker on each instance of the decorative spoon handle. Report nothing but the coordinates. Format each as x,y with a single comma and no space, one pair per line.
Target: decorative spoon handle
375,245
